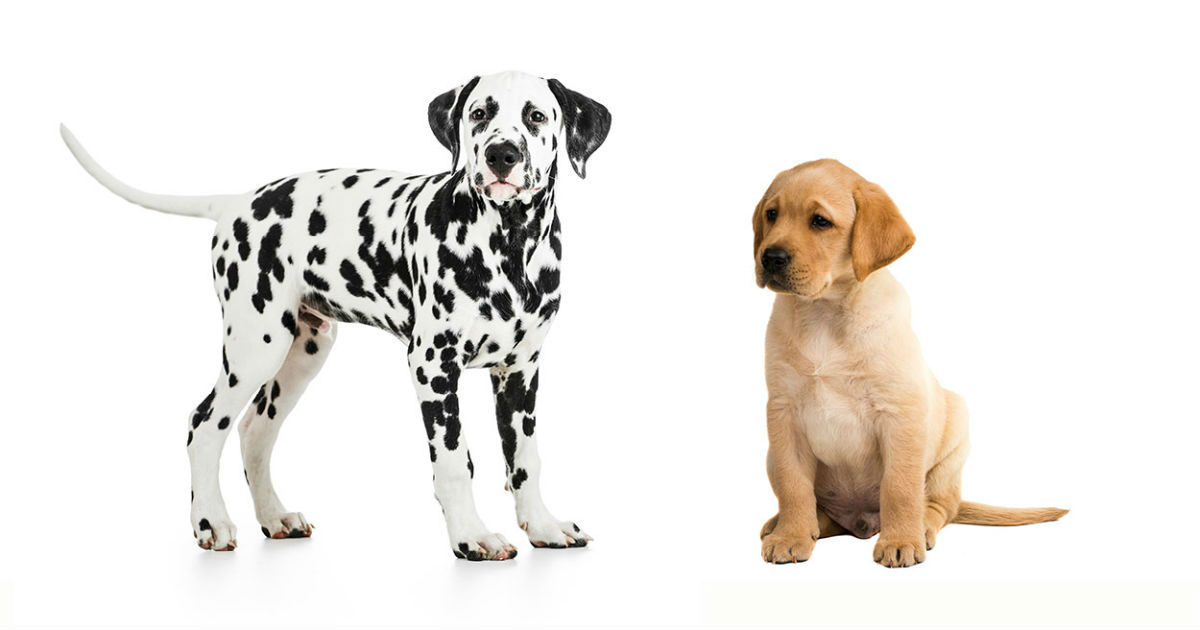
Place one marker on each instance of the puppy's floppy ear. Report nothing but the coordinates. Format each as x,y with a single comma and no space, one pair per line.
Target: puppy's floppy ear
759,221
880,234
585,124
445,112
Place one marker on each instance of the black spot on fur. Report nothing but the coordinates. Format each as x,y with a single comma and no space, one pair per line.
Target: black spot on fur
278,199
316,223
470,275
269,265
204,409
315,281
310,347
289,322
354,281
241,234
448,206
519,478
502,302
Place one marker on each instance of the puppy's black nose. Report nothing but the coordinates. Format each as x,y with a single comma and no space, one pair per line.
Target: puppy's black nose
775,259
502,157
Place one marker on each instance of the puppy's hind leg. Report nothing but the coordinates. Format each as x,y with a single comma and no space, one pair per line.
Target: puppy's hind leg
244,366
943,482
263,419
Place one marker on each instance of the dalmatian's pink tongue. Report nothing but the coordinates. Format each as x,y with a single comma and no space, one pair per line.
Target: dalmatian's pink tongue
497,188
313,318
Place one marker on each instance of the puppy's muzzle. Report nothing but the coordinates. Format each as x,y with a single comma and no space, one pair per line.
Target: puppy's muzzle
501,158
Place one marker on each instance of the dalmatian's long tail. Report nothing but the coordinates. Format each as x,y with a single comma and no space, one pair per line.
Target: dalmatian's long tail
209,206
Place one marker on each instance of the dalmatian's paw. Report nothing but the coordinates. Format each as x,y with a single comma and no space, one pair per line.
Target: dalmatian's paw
286,525
215,534
483,547
554,534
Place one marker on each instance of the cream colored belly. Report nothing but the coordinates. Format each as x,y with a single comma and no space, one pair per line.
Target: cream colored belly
842,435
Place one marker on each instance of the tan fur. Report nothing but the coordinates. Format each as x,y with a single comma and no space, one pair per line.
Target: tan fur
862,436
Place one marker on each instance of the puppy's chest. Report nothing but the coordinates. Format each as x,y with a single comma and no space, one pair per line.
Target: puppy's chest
834,401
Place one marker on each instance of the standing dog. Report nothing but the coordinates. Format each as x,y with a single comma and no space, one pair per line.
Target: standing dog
462,266
863,439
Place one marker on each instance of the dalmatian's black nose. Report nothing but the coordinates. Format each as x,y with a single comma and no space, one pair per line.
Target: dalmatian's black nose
502,157
775,259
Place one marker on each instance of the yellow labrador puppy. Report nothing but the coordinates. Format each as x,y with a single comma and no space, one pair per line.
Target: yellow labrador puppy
863,439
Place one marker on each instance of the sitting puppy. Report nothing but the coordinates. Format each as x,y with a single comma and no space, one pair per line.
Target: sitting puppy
863,439
461,266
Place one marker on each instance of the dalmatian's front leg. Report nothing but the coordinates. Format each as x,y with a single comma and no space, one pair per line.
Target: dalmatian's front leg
515,387
436,367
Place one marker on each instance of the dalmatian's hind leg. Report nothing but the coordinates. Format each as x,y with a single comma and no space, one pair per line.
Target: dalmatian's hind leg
246,362
261,423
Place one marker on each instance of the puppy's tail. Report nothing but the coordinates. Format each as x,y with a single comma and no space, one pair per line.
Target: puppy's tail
979,514
206,206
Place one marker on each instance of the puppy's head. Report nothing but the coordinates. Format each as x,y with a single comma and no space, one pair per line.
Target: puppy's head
506,130
821,222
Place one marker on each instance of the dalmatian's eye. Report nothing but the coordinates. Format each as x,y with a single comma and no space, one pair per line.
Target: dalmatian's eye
478,114
820,223
772,214
537,117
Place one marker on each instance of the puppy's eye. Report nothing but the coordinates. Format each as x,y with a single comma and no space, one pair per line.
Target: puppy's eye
478,114
772,214
820,223
537,117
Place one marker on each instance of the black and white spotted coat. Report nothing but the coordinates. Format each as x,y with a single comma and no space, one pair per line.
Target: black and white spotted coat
462,267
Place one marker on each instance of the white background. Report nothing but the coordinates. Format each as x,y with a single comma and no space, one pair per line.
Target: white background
1045,154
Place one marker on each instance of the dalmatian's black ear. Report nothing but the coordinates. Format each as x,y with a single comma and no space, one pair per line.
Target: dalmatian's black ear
585,124
445,112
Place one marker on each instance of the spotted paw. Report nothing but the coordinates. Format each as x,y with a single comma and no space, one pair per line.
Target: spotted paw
484,547
215,534
899,553
554,534
782,548
288,525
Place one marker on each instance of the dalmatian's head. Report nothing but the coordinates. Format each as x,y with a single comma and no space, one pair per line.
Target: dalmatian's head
505,130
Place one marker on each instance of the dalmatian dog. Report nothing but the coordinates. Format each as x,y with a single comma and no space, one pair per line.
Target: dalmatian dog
461,266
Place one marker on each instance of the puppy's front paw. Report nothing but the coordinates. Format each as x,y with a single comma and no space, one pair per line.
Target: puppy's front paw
782,548
483,546
894,553
555,534
217,534
287,525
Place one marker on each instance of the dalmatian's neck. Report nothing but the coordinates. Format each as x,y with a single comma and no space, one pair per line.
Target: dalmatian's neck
523,230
